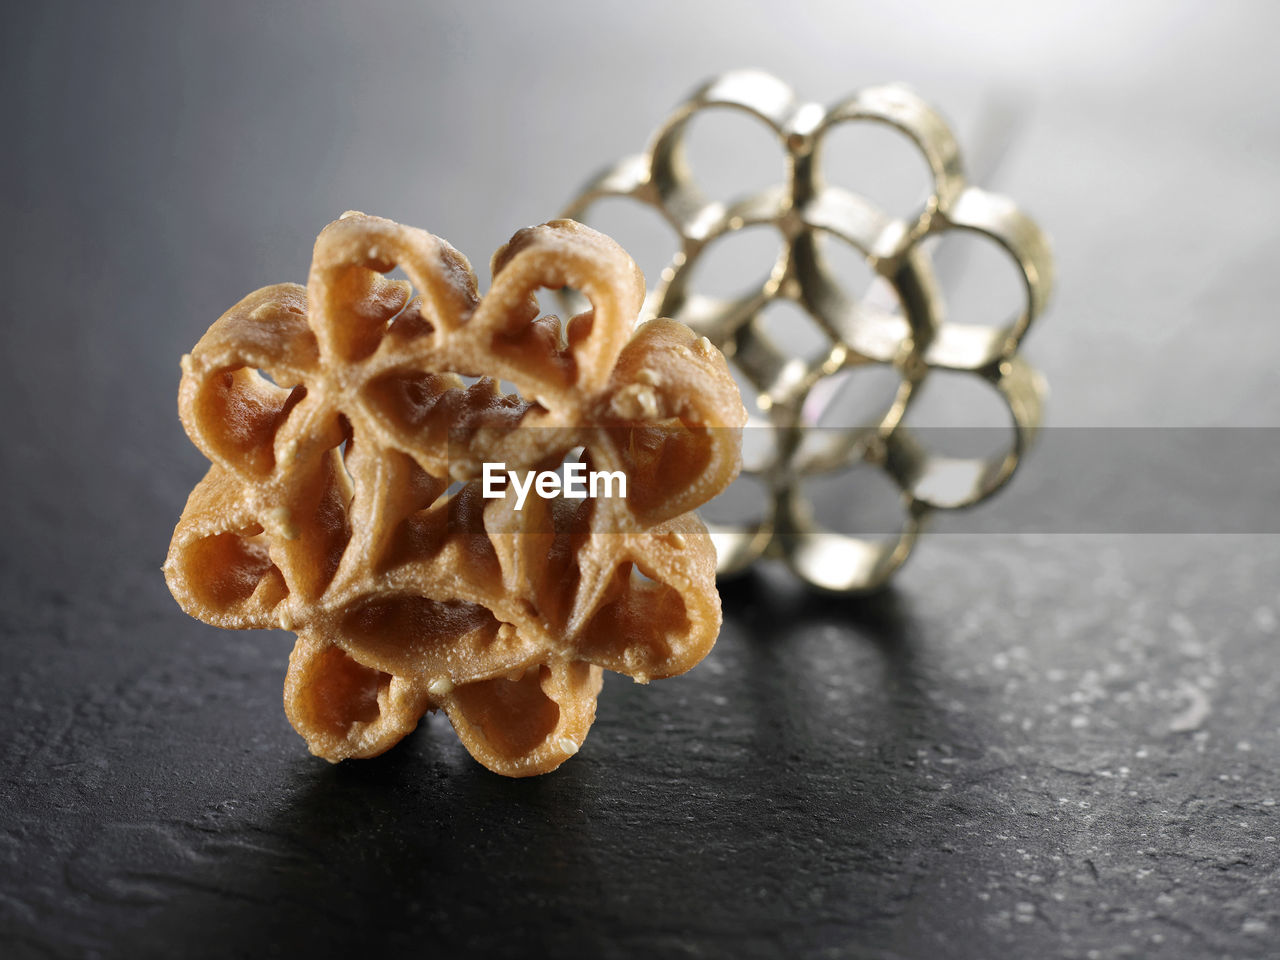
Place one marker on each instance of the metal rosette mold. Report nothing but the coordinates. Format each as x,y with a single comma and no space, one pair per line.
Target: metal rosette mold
913,338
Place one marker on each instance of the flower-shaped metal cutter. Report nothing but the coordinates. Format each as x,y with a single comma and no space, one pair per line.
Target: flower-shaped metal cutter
912,340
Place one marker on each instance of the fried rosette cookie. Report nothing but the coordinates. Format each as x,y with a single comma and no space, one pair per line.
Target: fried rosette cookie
348,424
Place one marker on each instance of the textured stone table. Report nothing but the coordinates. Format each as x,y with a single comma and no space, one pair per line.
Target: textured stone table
1040,743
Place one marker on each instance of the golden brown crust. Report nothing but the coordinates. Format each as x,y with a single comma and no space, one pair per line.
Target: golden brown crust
325,511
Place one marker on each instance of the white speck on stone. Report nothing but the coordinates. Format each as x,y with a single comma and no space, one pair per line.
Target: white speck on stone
1253,925
1196,712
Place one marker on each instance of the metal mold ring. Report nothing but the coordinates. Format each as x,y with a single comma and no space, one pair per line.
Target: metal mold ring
912,341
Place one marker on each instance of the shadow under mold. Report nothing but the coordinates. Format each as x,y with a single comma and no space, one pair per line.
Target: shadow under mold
818,666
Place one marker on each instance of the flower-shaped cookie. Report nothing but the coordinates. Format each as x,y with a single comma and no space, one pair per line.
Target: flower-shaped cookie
345,499
914,338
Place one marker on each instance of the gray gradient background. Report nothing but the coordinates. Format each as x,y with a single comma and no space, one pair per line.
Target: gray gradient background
164,159
1005,755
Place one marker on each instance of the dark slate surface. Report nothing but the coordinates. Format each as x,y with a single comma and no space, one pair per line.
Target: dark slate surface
1043,743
